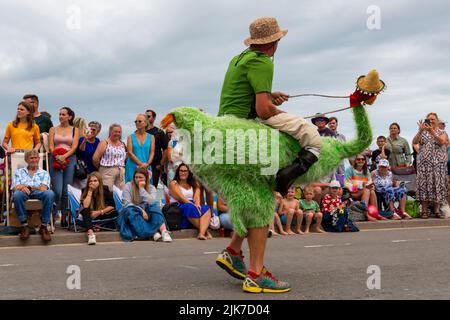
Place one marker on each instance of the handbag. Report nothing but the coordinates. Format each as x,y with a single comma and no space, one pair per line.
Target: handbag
80,170
401,171
173,215
214,223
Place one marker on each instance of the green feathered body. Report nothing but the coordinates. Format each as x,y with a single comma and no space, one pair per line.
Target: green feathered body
241,182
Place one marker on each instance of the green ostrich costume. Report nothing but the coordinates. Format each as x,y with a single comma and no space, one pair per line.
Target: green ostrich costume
248,193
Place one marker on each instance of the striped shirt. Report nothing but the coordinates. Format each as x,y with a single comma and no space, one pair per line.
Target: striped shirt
114,156
22,177
356,178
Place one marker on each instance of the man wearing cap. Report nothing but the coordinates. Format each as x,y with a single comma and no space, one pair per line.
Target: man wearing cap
321,121
247,93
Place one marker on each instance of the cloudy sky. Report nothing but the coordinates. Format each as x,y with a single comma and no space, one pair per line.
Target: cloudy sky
110,60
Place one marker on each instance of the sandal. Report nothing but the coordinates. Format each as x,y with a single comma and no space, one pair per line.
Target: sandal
424,215
439,215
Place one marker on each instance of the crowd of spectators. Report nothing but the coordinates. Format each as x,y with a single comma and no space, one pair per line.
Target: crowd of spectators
150,155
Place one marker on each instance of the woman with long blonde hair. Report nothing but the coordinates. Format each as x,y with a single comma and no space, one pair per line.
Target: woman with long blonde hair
97,203
138,199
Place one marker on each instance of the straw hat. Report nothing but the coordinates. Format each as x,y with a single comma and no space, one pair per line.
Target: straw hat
371,83
264,30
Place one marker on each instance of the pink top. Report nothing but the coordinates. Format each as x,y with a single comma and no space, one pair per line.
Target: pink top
63,141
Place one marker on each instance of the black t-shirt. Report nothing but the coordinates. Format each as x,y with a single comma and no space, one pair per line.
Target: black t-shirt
44,123
108,195
161,142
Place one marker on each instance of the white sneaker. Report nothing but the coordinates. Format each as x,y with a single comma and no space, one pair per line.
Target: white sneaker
91,239
166,236
157,236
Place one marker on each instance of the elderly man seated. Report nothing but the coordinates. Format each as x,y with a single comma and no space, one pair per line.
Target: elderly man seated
32,182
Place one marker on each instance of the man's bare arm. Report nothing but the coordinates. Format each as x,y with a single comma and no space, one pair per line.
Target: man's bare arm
265,108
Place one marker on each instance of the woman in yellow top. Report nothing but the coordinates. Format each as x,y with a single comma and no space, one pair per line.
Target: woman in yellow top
22,132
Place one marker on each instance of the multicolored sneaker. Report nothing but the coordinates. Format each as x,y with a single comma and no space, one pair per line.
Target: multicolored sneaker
266,283
234,265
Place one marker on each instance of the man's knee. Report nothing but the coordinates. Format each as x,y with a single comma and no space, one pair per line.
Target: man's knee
48,195
20,196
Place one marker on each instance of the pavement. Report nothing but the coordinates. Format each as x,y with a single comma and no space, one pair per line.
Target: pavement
412,264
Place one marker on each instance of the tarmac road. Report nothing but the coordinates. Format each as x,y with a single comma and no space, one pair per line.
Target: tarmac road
414,264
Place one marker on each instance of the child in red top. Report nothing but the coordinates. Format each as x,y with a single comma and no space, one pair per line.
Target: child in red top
332,201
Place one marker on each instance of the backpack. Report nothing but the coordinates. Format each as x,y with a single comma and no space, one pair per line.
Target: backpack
173,215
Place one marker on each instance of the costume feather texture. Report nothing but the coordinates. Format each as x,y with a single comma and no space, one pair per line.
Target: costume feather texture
247,192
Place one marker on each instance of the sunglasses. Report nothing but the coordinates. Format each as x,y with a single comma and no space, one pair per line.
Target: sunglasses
360,159
138,121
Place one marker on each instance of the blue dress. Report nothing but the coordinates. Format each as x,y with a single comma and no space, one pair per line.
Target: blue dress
141,152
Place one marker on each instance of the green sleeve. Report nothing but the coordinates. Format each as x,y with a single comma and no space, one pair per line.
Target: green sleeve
260,74
316,205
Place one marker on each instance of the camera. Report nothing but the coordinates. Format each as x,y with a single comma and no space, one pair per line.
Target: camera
427,122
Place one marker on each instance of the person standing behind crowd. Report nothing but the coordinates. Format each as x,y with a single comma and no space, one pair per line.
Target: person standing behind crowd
166,162
160,146
321,121
400,152
88,144
97,203
333,124
110,158
22,132
64,136
141,148
80,124
379,154
44,122
431,165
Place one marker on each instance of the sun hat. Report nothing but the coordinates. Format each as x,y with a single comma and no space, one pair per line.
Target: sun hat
370,84
334,184
319,117
383,163
264,30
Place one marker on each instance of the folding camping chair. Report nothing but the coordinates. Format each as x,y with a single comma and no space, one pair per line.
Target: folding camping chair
75,217
12,163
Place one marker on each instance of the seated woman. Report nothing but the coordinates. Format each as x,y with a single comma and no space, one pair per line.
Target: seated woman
359,183
139,197
390,190
224,215
184,192
97,203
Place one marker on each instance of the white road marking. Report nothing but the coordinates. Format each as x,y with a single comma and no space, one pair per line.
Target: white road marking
328,245
110,259
190,267
7,265
212,252
410,240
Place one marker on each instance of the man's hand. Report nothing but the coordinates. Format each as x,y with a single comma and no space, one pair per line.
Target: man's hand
23,189
279,97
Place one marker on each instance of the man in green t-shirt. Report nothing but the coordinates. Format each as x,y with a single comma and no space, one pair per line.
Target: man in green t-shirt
247,93
44,123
